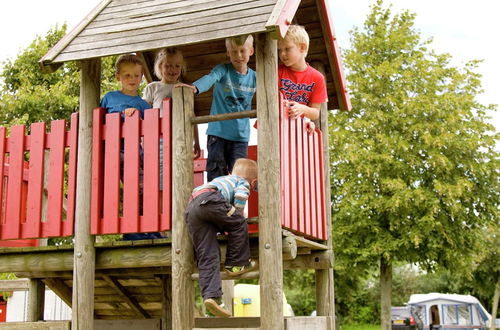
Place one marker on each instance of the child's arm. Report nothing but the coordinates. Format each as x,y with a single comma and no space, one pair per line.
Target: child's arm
196,146
298,109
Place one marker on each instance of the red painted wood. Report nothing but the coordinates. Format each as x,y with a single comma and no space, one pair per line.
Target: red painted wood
300,185
3,311
307,183
286,178
52,227
97,170
2,178
313,184
12,222
68,224
35,181
336,53
253,199
288,12
293,176
323,226
166,223
111,175
131,132
151,129
19,243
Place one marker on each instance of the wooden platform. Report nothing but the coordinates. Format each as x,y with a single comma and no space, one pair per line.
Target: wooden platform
131,275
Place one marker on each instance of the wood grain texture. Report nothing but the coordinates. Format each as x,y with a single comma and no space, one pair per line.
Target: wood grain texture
270,239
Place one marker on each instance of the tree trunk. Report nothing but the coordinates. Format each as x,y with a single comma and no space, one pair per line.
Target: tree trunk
495,305
385,293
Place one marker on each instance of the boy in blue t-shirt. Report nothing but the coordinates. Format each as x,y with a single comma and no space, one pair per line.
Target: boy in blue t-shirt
234,87
129,71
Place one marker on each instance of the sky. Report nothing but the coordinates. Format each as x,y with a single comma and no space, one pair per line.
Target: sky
465,29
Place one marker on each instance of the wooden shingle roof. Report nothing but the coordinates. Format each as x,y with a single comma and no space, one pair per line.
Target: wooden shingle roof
198,28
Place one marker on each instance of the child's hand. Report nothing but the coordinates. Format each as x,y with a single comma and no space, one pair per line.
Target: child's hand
196,150
186,85
296,109
310,127
129,111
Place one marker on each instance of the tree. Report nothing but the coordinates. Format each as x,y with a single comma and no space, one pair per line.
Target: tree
28,95
415,169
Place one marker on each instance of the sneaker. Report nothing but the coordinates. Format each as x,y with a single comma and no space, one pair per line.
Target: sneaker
216,307
238,270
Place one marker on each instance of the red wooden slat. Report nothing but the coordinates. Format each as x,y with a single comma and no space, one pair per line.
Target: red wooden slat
166,223
307,184
2,178
35,181
253,200
97,171
293,179
13,204
131,132
150,220
68,224
111,202
300,176
286,141
323,229
313,185
55,180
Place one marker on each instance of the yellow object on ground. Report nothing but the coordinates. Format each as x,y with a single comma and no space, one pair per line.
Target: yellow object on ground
246,301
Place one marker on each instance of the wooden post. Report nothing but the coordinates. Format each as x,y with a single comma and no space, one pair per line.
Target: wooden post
270,249
182,181
325,291
84,251
36,300
166,320
228,294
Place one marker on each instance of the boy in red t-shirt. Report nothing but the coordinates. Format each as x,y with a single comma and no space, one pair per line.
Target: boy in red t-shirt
303,86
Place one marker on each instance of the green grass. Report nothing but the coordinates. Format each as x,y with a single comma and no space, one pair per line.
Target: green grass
360,327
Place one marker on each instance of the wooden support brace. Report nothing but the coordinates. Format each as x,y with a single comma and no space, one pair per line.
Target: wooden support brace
122,292
60,288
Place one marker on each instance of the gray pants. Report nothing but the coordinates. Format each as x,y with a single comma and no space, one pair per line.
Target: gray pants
207,215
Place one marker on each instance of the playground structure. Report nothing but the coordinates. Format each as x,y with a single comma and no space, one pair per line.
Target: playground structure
62,183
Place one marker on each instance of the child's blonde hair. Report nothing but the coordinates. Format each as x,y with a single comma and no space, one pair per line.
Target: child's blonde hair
162,56
246,39
128,59
246,168
298,35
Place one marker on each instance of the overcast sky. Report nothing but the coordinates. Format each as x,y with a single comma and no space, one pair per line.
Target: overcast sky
465,29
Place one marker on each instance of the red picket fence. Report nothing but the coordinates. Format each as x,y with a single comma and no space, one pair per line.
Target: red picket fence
117,199
37,191
303,205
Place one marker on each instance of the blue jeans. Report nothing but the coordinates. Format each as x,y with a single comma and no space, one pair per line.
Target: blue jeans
222,155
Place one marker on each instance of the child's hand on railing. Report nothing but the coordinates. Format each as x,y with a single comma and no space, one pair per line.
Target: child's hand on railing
310,127
295,109
196,150
195,90
129,111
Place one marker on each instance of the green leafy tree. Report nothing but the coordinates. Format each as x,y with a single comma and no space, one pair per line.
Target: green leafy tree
415,169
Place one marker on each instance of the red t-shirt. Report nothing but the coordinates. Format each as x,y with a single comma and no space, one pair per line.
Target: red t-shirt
304,87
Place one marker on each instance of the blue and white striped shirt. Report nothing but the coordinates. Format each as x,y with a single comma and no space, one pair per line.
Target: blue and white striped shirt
233,188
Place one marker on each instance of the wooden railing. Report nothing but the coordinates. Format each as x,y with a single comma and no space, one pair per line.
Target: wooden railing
38,180
39,172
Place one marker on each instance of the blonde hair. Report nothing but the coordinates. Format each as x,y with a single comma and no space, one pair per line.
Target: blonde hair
128,59
246,39
246,168
298,35
162,56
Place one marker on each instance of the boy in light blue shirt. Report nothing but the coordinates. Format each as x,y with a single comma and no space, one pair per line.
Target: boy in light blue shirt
234,87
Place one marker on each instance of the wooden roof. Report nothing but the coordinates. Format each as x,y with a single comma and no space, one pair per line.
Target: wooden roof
198,28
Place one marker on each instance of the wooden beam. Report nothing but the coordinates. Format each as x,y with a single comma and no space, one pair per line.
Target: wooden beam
325,291
270,237
50,325
182,180
166,323
122,292
84,251
14,285
224,116
36,300
60,288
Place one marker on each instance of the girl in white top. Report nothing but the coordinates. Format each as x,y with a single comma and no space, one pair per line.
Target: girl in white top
169,65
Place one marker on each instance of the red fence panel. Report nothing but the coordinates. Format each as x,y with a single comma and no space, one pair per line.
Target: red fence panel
33,168
131,202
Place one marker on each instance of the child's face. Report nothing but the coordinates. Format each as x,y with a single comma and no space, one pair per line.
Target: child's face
130,77
239,56
171,68
291,54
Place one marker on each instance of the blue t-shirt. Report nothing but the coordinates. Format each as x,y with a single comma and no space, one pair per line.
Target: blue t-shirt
233,92
116,101
233,188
